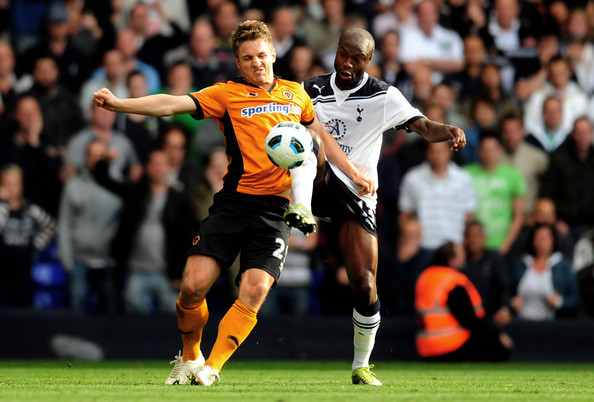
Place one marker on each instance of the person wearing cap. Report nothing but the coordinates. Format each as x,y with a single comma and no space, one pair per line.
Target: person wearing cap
73,63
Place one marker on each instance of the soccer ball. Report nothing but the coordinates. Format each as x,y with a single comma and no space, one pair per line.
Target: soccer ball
288,145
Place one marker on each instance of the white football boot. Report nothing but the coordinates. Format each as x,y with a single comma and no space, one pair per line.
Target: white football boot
205,375
181,372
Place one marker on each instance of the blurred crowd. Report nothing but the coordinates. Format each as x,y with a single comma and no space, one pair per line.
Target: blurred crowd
97,209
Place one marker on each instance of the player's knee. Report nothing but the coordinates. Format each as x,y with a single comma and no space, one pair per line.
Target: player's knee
256,294
192,290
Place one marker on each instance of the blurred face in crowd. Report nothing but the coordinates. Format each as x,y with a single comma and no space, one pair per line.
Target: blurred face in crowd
139,19
577,24
390,46
443,95
438,154
543,241
512,133
410,232
102,119
283,23
436,113
490,153
559,11
544,211
113,63
158,167
484,113
490,76
11,184
137,85
506,11
474,50
126,43
301,61
27,113
474,239
58,30
45,72
559,73
6,59
552,113
582,134
216,168
409,240
180,78
202,40
226,19
333,10
174,146
427,16
421,81
459,259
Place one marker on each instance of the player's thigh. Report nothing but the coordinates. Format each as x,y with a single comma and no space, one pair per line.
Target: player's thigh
200,273
265,247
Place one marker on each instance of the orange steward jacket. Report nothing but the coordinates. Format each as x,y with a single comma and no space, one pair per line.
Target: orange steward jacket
438,331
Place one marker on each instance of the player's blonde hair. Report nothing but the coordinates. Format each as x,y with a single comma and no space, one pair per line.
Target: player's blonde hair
247,31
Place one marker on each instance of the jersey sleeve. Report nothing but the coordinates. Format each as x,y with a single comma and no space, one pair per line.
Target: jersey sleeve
398,111
211,101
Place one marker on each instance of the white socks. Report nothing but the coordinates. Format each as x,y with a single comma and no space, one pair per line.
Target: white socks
302,178
364,340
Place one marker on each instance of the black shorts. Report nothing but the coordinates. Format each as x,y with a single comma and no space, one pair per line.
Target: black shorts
245,224
335,201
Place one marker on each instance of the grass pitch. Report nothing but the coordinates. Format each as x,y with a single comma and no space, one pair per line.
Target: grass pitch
244,381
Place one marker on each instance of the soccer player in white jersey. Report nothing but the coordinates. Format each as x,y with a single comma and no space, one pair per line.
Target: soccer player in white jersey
356,109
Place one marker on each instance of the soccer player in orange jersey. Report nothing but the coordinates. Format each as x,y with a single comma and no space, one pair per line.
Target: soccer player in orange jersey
247,215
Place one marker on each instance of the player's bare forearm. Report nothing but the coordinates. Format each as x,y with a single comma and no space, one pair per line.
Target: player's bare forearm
151,105
336,155
433,131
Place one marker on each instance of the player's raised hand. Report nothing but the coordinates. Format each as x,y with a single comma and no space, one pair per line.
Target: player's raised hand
457,136
105,99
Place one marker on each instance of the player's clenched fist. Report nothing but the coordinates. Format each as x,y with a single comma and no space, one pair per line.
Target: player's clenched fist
105,99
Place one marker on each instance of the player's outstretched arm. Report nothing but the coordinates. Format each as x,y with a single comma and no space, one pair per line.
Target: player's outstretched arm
335,155
151,105
433,131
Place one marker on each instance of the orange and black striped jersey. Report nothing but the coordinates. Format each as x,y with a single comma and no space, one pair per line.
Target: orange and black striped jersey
245,114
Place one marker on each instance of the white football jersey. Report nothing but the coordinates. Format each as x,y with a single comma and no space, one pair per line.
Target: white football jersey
357,118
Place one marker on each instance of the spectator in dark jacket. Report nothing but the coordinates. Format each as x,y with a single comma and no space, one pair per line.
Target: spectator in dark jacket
569,179
156,228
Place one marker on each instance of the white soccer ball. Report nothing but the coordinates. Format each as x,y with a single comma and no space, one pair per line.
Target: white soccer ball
288,145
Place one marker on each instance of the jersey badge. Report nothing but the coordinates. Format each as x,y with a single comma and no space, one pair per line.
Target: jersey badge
288,94
336,127
359,110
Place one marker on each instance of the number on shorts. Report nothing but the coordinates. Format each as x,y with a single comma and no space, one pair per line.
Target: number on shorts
280,252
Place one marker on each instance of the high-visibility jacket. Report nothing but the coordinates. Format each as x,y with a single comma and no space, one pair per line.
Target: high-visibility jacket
438,331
